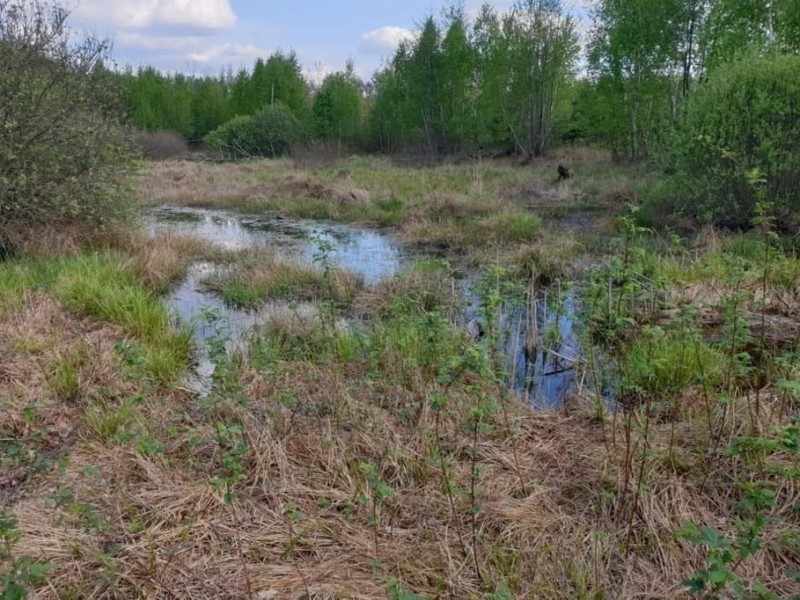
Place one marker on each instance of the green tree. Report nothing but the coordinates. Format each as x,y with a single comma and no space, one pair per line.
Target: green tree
543,47
744,120
210,106
492,124
423,69
457,89
280,80
338,108
635,55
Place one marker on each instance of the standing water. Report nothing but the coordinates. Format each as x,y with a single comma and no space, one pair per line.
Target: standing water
537,342
369,254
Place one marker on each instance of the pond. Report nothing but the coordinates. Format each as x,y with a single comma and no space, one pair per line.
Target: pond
539,341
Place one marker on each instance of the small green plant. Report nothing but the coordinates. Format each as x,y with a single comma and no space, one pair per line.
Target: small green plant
233,450
377,494
22,572
724,554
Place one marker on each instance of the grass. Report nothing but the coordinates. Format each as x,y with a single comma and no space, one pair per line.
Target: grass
363,445
265,275
104,287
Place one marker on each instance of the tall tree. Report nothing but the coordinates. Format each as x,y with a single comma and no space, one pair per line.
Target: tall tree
337,110
543,47
280,80
424,92
457,89
635,55
492,122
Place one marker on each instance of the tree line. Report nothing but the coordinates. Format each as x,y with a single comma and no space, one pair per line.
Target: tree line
707,90
511,82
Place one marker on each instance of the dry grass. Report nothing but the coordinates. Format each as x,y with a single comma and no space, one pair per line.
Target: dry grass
163,259
52,365
153,525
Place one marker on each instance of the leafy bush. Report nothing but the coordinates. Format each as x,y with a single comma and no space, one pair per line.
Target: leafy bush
271,132
744,119
61,148
235,139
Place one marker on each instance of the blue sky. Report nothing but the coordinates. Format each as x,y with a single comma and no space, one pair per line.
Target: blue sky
203,36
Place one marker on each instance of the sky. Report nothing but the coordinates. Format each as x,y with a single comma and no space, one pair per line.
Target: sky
204,36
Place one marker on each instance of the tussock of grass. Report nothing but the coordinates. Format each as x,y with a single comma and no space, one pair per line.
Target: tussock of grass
427,286
265,275
105,287
162,260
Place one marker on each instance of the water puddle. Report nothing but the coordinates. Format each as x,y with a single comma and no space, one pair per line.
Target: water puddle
538,340
370,254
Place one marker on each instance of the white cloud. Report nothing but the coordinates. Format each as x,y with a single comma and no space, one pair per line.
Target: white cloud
384,40
171,43
228,53
209,15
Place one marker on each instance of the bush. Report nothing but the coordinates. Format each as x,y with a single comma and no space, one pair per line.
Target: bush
271,132
234,139
744,118
61,148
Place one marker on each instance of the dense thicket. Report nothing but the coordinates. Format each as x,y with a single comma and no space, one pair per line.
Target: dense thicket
61,145
196,106
647,57
271,132
744,122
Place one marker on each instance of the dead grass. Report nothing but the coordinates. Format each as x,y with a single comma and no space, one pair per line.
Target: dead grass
163,259
153,524
52,364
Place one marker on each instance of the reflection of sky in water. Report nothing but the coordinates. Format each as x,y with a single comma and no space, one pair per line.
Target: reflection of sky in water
371,254
550,375
367,253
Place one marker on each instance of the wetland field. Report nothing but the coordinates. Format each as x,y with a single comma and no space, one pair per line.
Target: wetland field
366,379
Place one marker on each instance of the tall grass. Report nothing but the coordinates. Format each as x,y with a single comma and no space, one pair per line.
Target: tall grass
105,287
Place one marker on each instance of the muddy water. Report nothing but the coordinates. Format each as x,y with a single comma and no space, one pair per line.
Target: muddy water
539,344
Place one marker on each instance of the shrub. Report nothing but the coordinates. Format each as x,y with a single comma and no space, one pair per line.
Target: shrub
271,132
61,148
744,118
234,139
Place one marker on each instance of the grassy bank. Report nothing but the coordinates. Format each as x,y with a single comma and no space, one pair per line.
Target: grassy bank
367,446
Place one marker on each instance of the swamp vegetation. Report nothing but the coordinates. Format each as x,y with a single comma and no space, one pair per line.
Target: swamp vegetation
358,441
350,375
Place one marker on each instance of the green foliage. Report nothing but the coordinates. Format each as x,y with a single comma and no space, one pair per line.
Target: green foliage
337,111
105,287
497,88
62,152
725,553
271,132
22,572
743,120
663,366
